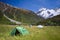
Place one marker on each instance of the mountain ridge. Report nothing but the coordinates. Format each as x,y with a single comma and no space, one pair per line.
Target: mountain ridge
26,16
18,14
51,16
48,13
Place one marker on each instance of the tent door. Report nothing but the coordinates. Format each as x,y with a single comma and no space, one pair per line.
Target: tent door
17,32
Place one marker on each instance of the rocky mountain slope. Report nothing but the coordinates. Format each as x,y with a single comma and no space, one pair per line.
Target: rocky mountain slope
18,14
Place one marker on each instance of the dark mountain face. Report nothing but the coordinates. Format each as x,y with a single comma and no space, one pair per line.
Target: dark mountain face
1,15
18,14
54,21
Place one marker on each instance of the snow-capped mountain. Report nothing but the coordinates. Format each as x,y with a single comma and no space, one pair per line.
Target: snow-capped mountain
48,13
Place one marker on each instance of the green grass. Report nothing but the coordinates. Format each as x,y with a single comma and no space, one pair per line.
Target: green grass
46,33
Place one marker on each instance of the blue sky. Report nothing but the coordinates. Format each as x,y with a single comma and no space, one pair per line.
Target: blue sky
33,5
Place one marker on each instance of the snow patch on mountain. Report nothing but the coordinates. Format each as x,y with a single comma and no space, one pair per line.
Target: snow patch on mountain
48,13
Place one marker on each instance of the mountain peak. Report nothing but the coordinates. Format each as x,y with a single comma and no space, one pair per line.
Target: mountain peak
42,9
48,13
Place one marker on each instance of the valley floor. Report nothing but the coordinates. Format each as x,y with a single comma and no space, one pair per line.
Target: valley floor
46,33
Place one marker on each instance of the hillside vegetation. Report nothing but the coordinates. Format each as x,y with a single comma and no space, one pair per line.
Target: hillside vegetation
51,21
19,14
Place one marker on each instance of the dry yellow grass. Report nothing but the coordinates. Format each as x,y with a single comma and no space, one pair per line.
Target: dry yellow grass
46,33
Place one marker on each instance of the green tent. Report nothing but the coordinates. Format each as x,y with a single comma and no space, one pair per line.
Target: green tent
19,31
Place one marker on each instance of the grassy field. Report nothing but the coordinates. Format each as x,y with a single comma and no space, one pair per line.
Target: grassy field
46,33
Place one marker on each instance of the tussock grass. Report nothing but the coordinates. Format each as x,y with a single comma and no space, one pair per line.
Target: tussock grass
46,33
